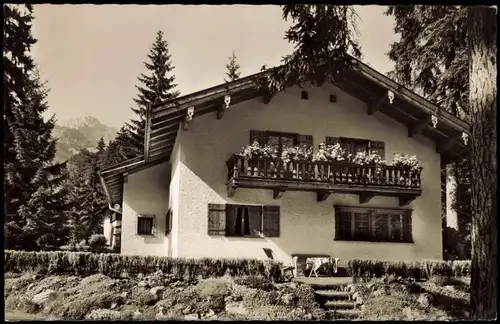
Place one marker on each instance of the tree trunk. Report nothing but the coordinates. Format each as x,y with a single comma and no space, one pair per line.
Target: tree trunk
482,34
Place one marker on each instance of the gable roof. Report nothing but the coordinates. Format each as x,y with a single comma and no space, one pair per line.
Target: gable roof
165,119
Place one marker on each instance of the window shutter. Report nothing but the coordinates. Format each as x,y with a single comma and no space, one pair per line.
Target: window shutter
259,136
332,140
168,222
271,221
407,227
305,140
216,219
377,148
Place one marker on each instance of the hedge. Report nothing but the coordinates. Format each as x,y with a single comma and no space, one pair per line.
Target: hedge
119,266
408,269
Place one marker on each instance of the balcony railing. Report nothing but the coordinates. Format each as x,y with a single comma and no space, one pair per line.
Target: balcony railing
322,176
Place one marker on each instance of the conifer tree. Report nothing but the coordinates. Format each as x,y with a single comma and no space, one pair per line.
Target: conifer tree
323,37
233,68
431,58
34,196
89,200
156,86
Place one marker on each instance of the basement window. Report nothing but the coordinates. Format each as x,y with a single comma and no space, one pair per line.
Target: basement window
145,225
304,95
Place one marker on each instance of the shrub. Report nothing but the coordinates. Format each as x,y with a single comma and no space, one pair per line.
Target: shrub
213,288
97,242
360,269
113,265
254,281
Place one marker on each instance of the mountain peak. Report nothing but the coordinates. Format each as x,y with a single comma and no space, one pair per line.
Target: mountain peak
87,121
80,133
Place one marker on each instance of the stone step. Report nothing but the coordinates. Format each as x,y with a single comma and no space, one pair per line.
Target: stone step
331,283
349,314
339,304
333,294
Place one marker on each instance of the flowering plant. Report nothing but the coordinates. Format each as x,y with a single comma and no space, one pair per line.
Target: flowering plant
296,153
330,153
255,150
406,162
371,159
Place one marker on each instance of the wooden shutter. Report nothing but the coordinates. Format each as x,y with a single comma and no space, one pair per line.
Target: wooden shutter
305,140
216,219
377,148
332,140
260,136
407,227
168,222
271,221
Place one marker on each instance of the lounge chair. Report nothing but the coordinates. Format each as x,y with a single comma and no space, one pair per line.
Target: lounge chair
288,271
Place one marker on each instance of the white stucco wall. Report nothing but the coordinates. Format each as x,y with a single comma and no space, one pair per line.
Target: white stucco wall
307,226
107,229
173,238
146,192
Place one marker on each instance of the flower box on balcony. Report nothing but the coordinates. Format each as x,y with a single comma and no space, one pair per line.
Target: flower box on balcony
330,176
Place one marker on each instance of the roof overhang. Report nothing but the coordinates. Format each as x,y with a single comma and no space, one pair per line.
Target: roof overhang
165,120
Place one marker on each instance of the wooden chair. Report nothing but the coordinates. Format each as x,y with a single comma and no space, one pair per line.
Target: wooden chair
287,270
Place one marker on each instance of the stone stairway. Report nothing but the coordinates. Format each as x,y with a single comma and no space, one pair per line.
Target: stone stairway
332,295
338,304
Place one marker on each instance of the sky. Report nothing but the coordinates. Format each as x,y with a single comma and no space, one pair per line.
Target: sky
91,55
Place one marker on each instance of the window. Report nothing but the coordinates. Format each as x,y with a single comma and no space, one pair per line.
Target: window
280,140
243,220
363,224
145,225
354,145
168,222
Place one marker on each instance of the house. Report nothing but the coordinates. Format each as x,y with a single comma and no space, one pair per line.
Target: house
191,195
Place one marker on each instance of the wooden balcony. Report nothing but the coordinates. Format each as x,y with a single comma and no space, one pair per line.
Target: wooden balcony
323,178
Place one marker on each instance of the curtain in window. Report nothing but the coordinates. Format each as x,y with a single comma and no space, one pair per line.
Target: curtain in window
254,219
231,221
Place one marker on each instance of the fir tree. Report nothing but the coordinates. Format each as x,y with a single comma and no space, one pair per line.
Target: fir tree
89,200
233,68
35,198
156,87
431,58
101,145
323,36
121,148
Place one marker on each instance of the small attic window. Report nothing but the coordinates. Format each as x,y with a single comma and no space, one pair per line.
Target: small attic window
304,95
333,98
